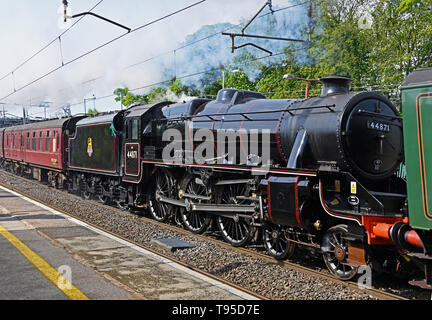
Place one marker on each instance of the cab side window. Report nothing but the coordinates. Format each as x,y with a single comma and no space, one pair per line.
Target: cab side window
128,129
135,125
132,129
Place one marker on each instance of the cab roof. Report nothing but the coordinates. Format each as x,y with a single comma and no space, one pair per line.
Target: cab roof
418,77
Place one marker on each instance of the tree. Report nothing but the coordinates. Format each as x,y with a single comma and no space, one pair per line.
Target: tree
402,40
343,46
178,88
273,85
238,79
127,98
406,5
92,112
156,95
213,88
379,54
376,43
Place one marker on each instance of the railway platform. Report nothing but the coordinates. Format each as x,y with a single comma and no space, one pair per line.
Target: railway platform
46,255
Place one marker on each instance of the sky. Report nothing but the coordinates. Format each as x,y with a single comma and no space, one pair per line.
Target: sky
26,26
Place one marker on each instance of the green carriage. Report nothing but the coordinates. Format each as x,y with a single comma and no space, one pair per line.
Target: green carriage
417,126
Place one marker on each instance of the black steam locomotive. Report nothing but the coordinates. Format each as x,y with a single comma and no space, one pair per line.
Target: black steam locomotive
326,182
317,172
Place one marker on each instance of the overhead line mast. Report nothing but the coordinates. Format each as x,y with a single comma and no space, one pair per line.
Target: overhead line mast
65,4
243,34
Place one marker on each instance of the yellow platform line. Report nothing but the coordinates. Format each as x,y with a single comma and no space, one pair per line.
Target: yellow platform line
49,272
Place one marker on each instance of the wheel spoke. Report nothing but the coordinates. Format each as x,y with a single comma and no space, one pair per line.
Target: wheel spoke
159,210
335,257
332,244
276,244
195,221
336,239
235,231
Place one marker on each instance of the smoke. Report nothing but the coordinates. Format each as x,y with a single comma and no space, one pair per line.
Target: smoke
25,27
171,96
215,51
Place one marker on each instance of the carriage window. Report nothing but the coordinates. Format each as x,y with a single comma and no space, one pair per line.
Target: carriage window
40,141
135,129
56,142
34,141
28,140
47,139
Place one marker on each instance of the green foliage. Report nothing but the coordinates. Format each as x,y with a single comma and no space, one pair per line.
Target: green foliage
376,43
121,93
273,85
407,5
342,46
213,88
239,80
402,41
178,88
92,112
127,98
156,95
175,91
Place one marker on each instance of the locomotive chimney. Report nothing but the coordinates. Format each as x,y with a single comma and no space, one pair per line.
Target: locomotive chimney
334,85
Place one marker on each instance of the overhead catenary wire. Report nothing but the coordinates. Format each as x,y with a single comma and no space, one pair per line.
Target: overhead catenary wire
101,46
209,36
181,77
187,45
48,44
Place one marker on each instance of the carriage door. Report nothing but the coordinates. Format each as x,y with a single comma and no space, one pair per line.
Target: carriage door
22,145
132,147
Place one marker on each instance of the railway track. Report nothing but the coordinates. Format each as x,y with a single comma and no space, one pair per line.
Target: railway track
373,292
197,270
379,294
